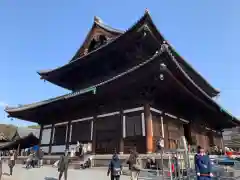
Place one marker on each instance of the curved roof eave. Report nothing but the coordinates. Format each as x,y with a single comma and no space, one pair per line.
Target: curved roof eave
80,92
200,90
93,88
215,91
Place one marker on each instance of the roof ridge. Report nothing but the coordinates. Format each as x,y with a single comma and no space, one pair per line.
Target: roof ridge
108,27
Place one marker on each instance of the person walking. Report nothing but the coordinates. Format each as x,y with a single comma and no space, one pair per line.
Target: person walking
63,165
196,157
29,161
1,169
115,168
41,154
11,162
133,164
203,166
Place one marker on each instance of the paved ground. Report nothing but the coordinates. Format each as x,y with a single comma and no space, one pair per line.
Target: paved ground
49,173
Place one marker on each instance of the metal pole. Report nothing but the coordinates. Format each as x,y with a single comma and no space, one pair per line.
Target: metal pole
0,168
178,165
162,163
187,161
170,167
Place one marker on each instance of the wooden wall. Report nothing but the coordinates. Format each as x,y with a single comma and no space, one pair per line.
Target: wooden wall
107,133
173,130
157,129
204,137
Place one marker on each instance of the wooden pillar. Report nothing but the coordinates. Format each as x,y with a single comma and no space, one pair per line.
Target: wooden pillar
162,126
149,129
122,133
40,135
51,139
166,131
222,146
68,134
93,134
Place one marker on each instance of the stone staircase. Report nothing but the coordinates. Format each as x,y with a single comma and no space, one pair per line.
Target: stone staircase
76,163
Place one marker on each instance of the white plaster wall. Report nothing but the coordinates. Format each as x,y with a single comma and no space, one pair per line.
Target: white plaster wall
46,135
57,149
73,146
87,147
45,149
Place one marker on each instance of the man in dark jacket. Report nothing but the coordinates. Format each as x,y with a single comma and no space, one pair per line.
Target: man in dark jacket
115,168
196,156
203,166
63,165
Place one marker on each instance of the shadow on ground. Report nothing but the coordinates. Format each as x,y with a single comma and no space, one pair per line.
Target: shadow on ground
50,178
6,174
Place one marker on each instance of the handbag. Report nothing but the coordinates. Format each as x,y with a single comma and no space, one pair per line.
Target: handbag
116,171
136,166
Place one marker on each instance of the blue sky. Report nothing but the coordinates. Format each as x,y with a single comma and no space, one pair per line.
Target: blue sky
44,34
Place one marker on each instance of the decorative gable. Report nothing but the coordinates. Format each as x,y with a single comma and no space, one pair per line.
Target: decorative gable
99,35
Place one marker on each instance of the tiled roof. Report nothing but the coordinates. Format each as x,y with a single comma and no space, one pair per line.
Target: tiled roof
8,131
109,28
201,79
207,99
23,132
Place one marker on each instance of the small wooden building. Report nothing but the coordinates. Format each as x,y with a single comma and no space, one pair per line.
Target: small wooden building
21,143
129,88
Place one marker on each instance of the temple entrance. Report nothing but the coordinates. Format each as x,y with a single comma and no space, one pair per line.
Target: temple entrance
81,131
210,138
107,141
187,133
134,137
108,133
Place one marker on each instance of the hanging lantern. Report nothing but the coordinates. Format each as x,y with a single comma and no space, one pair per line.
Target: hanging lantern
161,76
163,67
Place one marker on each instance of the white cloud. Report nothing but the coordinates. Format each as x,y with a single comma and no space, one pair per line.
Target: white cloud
3,104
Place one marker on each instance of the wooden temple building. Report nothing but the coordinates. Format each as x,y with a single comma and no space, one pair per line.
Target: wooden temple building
128,89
